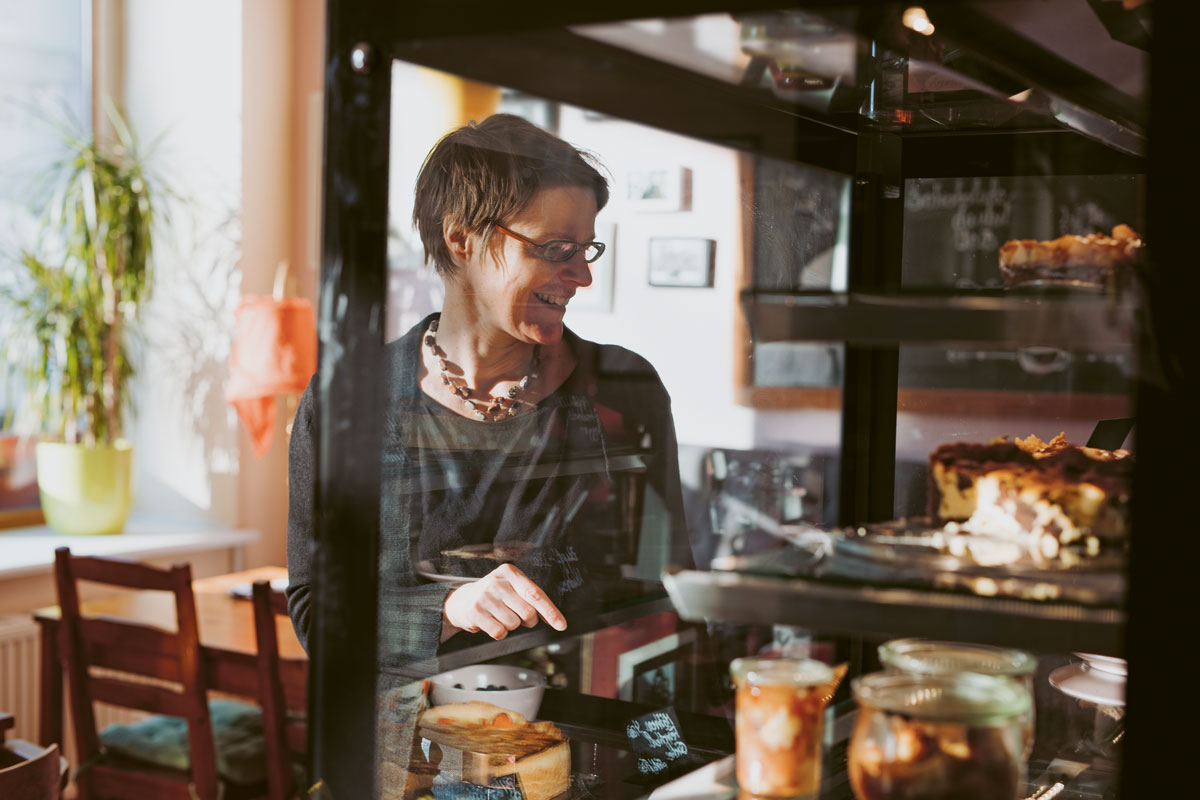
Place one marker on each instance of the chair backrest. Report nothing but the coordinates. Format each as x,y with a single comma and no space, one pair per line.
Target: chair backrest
284,737
29,772
135,649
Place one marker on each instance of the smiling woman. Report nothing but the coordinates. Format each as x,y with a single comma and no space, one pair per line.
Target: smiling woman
523,466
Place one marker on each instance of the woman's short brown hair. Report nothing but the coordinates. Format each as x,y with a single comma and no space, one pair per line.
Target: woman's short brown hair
486,173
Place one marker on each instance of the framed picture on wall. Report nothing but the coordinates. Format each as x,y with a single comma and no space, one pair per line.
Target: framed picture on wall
658,673
681,262
541,112
659,189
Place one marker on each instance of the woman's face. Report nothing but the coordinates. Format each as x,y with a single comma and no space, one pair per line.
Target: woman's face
514,291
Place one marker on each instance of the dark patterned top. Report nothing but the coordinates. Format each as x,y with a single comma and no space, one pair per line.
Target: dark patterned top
582,493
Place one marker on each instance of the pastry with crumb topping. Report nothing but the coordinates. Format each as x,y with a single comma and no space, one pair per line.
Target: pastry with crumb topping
1061,502
1094,260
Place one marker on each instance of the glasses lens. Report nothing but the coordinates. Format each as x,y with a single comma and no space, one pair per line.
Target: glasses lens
559,251
593,251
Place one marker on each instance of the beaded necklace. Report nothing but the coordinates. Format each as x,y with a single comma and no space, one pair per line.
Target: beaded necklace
494,407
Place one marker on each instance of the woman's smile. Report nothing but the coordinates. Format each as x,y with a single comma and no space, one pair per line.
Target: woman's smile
556,300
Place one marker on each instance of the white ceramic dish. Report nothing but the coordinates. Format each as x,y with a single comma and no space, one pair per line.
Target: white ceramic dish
425,570
520,689
1115,666
1084,682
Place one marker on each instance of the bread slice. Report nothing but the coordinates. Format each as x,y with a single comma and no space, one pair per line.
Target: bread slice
479,742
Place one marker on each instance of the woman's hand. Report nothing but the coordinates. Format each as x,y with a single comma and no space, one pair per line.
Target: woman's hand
497,603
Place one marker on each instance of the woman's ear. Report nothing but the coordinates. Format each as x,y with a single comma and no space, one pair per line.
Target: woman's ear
459,241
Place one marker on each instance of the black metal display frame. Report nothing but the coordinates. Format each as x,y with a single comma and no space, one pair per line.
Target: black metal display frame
362,38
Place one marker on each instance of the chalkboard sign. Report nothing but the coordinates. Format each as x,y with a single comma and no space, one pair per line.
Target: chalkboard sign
507,787
795,217
503,787
657,742
954,227
953,230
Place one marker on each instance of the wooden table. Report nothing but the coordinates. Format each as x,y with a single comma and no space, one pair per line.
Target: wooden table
226,637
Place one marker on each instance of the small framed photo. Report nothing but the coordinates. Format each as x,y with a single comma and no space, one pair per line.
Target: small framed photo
658,673
682,262
659,189
541,112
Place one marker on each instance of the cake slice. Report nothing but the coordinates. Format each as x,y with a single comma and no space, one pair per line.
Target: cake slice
1059,501
479,742
1092,260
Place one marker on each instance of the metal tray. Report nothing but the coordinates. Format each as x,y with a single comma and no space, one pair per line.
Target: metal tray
894,579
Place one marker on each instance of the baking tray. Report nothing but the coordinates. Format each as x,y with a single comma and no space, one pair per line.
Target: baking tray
914,553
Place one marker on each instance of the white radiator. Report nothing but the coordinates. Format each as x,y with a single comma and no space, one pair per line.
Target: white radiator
19,673
20,680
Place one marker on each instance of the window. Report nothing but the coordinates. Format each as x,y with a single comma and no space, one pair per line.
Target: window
45,81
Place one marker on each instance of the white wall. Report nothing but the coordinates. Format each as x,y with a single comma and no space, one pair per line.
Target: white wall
183,86
686,333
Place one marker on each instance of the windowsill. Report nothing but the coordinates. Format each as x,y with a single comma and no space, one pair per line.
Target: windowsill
30,551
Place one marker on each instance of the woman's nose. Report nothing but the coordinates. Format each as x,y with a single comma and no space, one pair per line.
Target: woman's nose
577,271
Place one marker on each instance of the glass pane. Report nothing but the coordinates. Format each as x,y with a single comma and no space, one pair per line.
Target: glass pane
45,91
639,456
699,414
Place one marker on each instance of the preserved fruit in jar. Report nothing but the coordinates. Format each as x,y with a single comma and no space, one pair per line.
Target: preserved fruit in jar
926,657
937,737
780,705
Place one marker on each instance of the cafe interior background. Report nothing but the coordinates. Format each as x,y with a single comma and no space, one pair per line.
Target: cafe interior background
231,90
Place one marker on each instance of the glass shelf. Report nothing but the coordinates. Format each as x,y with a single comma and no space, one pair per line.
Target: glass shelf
884,612
1086,321
858,69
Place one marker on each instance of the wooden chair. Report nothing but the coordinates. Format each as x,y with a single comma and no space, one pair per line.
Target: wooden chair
135,649
30,772
27,771
286,733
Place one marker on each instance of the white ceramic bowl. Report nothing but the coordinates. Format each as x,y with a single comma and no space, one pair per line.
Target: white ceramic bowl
520,689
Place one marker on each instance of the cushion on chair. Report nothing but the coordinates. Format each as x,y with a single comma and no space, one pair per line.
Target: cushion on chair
162,741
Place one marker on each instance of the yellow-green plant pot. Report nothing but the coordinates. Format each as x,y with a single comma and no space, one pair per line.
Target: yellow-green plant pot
85,490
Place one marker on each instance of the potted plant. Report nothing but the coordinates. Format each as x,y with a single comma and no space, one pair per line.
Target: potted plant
77,298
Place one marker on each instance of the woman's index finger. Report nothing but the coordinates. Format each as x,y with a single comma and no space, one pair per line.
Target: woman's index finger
533,594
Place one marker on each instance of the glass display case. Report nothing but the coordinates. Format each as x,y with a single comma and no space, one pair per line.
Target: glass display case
823,230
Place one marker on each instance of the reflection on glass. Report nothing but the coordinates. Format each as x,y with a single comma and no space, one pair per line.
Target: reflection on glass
954,227
531,469
531,479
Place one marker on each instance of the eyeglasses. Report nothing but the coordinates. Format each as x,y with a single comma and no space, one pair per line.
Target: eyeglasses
559,250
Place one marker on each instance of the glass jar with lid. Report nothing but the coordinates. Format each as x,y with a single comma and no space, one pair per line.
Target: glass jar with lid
937,737
780,707
928,657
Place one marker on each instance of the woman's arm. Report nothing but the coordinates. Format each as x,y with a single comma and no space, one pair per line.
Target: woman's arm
300,516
